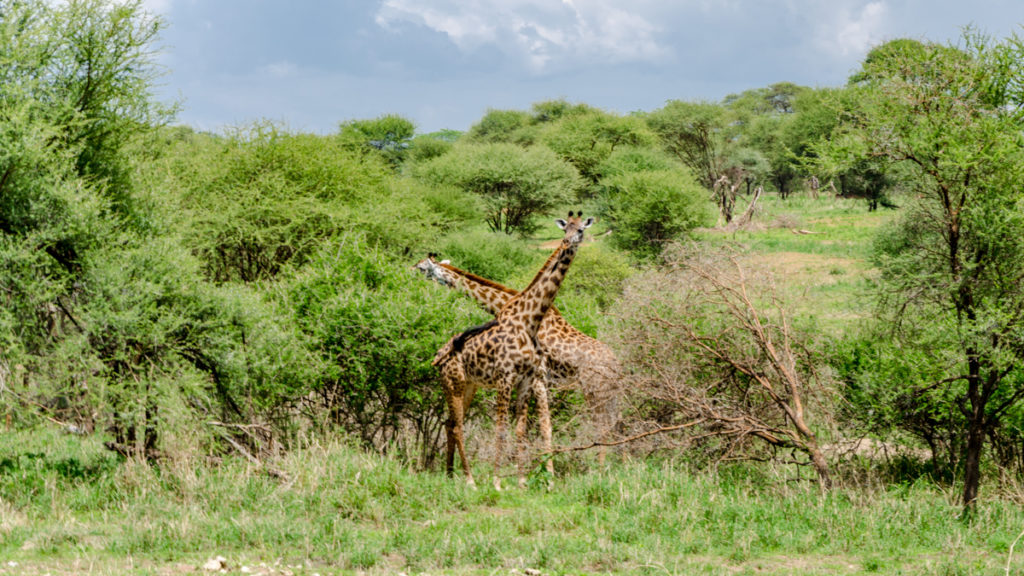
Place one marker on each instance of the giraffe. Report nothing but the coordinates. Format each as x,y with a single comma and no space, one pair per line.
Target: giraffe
573,359
505,355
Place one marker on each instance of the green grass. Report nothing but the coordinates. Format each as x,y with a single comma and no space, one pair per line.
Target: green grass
826,276
70,507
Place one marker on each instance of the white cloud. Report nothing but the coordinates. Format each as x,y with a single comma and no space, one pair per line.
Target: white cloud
540,33
850,30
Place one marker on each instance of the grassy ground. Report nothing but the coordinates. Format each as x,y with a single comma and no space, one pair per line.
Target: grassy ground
818,250
70,507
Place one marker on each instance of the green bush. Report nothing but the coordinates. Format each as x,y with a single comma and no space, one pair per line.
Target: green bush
648,209
174,340
450,205
494,256
377,324
262,198
632,159
499,126
387,136
423,148
516,184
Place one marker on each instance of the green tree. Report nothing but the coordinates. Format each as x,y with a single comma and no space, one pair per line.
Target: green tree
649,200
553,110
953,266
389,135
748,165
499,126
781,123
693,132
778,98
104,311
585,140
516,184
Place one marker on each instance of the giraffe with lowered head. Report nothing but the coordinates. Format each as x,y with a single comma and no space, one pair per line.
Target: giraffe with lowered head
505,355
573,359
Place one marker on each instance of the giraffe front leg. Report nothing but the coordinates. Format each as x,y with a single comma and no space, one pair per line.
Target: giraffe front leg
500,424
456,409
522,407
540,392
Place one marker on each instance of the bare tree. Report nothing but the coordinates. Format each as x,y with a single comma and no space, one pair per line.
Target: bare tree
717,346
724,194
748,214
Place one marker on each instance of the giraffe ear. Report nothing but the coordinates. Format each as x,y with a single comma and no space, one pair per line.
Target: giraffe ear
446,261
587,223
561,223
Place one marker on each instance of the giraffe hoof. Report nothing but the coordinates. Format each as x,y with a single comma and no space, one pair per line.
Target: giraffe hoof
497,484
471,483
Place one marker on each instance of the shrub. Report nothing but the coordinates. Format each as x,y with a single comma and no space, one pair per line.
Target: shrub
648,209
498,126
377,325
387,136
516,185
424,148
498,257
262,198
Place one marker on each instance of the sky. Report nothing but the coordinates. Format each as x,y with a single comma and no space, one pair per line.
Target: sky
314,64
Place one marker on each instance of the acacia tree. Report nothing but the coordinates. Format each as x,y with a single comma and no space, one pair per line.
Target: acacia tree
693,133
389,135
953,266
516,185
585,140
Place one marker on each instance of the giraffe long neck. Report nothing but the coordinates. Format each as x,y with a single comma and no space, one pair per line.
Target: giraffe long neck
530,305
490,295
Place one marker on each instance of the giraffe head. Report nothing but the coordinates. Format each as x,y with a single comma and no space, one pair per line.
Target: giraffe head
430,267
574,228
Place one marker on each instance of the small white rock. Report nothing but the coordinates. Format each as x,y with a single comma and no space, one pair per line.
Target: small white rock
218,563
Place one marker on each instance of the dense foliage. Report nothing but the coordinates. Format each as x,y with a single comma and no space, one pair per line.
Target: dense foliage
180,292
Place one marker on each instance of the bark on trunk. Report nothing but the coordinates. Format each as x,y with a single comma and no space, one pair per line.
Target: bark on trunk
972,464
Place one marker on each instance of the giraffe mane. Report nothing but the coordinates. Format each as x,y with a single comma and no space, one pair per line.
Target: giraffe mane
543,269
492,283
479,279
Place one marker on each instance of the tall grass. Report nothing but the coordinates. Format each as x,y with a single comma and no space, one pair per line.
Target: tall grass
69,504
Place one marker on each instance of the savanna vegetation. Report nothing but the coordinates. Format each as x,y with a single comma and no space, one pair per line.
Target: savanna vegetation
214,343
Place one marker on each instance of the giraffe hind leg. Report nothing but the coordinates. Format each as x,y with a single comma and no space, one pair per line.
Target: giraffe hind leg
521,421
501,405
